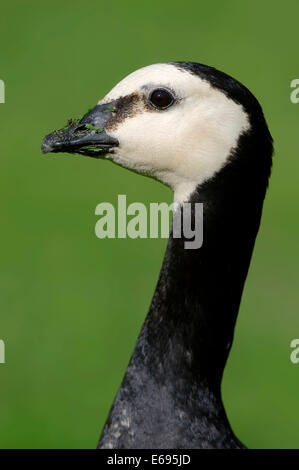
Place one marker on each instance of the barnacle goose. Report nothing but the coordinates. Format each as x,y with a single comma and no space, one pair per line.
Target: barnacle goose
202,133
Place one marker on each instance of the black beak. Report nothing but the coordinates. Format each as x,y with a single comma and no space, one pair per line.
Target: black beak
86,136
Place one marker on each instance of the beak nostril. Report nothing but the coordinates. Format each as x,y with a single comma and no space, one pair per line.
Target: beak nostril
80,128
87,128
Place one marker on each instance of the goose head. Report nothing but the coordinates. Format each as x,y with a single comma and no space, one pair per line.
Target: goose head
177,122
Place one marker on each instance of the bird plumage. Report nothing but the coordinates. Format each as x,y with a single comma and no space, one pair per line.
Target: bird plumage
211,146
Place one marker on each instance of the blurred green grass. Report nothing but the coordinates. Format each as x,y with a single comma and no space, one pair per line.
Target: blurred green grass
72,305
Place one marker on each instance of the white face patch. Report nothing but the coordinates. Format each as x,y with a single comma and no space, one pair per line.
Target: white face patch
185,144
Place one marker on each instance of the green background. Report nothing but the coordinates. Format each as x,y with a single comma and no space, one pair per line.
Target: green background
71,304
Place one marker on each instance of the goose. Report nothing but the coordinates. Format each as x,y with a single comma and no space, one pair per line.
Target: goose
203,134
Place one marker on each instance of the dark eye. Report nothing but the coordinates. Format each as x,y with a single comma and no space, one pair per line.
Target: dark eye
161,99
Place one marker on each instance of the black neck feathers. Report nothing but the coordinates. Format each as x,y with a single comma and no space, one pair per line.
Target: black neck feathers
170,396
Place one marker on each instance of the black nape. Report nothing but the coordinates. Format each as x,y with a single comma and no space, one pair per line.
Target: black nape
170,396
